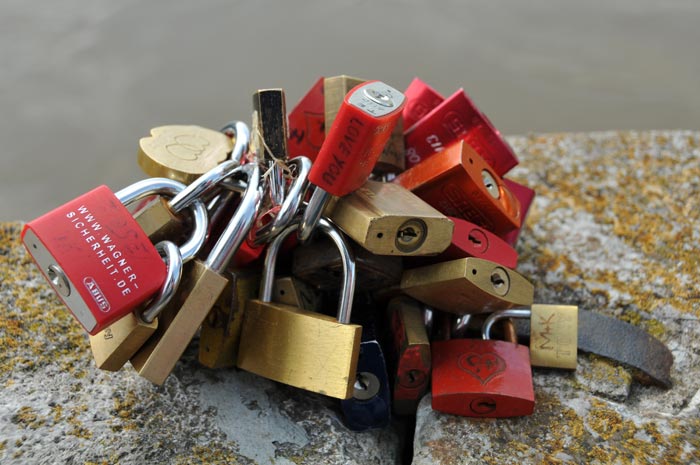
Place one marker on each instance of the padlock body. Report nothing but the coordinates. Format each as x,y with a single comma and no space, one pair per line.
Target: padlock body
304,349
455,119
369,410
117,343
525,196
471,240
420,100
554,336
467,285
199,291
478,378
408,354
221,329
460,183
357,137
392,159
107,266
387,219
182,152
307,124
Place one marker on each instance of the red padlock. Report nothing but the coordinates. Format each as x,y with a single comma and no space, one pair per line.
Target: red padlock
420,99
482,378
353,144
408,353
457,118
96,257
525,196
306,123
460,183
471,240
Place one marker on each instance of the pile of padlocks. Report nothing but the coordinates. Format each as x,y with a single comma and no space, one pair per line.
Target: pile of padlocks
392,204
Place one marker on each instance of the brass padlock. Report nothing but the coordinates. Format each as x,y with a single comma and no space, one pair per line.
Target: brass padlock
221,330
553,333
468,285
319,265
388,219
294,346
113,346
201,287
392,159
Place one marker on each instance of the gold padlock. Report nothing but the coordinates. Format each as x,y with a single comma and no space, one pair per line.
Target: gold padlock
221,330
553,333
392,159
201,287
113,346
387,219
294,346
468,285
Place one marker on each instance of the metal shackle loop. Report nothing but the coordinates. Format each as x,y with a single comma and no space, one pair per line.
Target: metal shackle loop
203,185
241,132
170,188
173,259
237,229
346,255
500,315
460,326
291,204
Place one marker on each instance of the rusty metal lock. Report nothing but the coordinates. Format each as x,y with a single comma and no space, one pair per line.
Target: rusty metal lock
460,183
298,347
482,378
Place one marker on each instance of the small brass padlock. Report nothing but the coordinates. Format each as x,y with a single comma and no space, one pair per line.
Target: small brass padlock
113,346
553,333
467,285
294,346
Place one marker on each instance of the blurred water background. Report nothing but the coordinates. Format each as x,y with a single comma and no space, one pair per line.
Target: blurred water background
82,80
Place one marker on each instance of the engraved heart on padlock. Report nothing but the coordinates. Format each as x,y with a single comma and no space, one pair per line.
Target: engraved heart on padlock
482,366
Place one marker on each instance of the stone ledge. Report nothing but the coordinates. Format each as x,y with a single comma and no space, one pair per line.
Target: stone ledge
614,229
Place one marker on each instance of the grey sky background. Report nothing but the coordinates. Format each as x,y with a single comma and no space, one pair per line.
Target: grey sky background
82,80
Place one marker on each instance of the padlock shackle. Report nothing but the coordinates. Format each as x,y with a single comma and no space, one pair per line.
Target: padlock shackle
312,213
171,188
347,258
173,259
291,204
241,132
237,229
459,326
500,315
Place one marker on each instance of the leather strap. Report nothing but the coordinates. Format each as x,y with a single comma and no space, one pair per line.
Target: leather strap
621,342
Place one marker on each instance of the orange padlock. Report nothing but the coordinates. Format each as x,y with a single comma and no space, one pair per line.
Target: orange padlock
458,182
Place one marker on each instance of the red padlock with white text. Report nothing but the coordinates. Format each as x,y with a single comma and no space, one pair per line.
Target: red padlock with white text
96,257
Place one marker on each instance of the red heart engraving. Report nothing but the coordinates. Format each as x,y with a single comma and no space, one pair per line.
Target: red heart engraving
483,367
